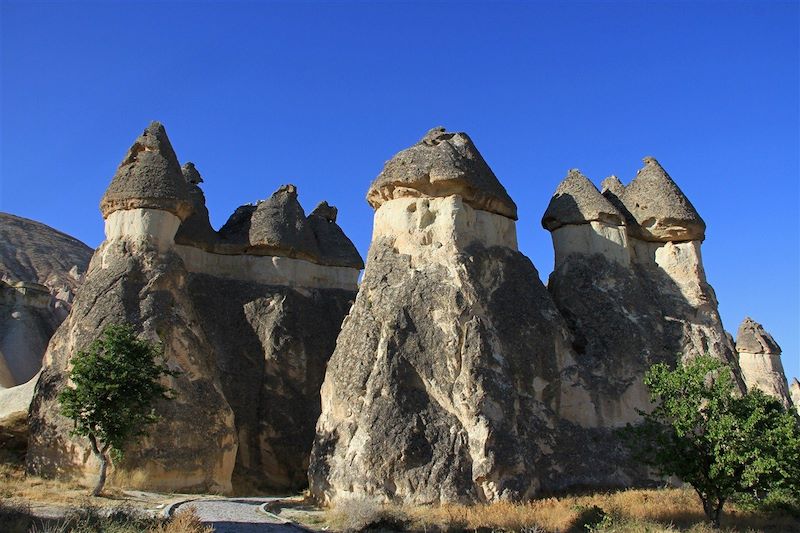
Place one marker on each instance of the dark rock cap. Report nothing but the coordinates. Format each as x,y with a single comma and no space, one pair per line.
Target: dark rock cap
752,338
279,224
577,201
335,248
326,211
191,174
196,230
149,177
442,164
613,185
661,210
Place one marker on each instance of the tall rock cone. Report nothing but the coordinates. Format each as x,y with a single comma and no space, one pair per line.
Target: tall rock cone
149,177
134,277
794,392
661,211
760,361
441,383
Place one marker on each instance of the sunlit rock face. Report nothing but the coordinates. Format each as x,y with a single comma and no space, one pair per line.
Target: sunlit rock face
441,385
632,295
760,361
40,272
794,392
247,317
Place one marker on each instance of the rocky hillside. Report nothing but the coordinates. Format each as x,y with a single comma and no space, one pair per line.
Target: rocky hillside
40,269
33,252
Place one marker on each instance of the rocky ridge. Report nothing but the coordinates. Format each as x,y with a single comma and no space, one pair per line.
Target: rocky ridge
40,272
249,329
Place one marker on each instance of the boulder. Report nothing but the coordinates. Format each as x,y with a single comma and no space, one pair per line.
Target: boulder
760,361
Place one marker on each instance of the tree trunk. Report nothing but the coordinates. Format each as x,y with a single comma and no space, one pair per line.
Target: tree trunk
713,510
101,479
102,456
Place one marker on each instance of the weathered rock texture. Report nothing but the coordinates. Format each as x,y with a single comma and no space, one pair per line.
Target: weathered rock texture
40,271
629,302
440,165
250,334
443,378
760,361
794,392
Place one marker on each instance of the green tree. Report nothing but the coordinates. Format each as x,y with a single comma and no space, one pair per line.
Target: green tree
115,384
720,442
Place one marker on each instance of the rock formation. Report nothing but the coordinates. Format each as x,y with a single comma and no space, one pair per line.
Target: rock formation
629,281
440,384
40,271
794,392
248,324
760,361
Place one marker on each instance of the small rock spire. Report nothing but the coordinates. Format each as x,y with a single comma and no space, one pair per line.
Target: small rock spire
577,201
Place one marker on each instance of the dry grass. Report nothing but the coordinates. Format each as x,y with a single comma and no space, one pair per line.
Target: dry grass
631,511
184,521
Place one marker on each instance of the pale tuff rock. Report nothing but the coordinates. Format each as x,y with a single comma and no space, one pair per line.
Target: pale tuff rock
441,385
442,164
194,446
629,304
40,271
661,210
794,391
249,333
760,361
582,221
149,177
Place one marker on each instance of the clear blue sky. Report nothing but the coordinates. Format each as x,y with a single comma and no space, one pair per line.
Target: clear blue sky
320,94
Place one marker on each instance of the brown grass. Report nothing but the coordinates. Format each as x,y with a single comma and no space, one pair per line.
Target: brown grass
184,521
630,511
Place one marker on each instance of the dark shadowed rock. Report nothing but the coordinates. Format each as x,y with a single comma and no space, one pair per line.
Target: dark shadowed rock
270,345
577,201
149,177
442,164
335,248
278,226
661,210
196,230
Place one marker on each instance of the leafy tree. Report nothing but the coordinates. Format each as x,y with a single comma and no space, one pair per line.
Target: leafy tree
115,384
720,442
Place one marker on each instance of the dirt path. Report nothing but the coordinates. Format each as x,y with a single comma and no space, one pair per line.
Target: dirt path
238,515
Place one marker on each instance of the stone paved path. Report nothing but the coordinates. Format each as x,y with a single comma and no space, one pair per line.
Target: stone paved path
237,516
